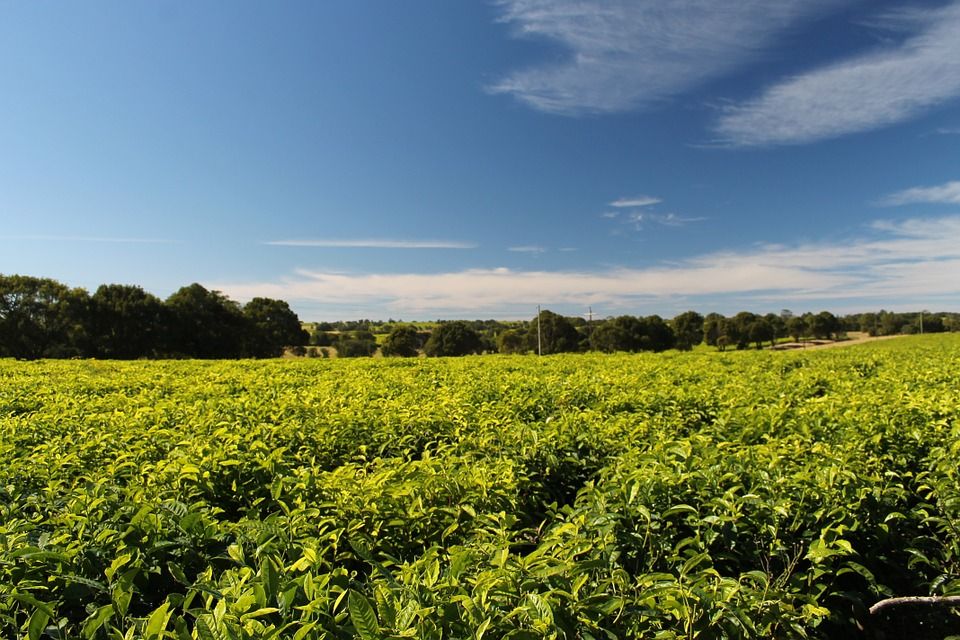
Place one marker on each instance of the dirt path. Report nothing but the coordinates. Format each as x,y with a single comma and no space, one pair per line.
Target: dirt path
854,337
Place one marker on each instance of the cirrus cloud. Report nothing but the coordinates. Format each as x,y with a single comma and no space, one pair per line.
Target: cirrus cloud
626,55
860,93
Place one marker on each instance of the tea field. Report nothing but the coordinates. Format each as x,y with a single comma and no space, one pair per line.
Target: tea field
696,495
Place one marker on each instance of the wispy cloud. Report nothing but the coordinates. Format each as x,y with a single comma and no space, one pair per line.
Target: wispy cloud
948,131
527,248
897,261
860,93
106,239
636,201
639,218
947,193
625,55
375,243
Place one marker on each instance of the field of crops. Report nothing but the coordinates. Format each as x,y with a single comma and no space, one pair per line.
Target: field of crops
735,495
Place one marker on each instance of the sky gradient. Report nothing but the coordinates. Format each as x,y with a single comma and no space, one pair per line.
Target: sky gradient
424,160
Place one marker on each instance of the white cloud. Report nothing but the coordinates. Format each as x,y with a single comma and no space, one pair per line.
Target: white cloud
625,55
948,131
636,201
911,259
374,243
527,248
860,93
947,193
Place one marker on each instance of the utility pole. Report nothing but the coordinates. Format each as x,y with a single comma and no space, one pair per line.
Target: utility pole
539,343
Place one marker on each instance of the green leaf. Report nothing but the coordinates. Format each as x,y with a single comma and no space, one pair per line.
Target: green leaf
38,622
363,617
304,630
92,624
157,622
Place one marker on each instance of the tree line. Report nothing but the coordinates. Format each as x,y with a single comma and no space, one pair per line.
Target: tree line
43,318
554,333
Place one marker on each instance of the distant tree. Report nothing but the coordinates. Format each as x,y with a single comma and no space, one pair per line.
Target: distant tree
511,341
273,325
738,328
557,334
126,322
356,344
759,331
617,334
321,339
713,328
41,318
688,328
869,323
629,333
778,326
796,328
823,325
403,340
206,324
453,339
657,335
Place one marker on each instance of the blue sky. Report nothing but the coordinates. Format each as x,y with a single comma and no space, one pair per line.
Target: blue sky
451,159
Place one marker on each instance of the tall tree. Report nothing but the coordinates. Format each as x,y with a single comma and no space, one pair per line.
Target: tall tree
126,322
688,328
557,334
453,339
40,317
403,340
273,326
207,324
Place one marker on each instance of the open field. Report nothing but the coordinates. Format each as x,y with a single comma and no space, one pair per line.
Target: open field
683,495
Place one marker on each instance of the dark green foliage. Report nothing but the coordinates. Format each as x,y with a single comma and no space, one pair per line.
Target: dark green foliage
453,339
629,333
511,341
127,322
404,341
557,334
41,318
206,324
273,326
356,344
688,329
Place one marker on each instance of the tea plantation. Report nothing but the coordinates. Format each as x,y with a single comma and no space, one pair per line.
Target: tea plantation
713,495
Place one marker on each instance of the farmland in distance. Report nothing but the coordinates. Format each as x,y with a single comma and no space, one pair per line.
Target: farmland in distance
704,495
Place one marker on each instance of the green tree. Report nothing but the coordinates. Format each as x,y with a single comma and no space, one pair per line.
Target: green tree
797,328
511,341
126,322
206,324
823,325
403,340
273,326
713,328
760,331
557,334
356,344
453,339
40,317
688,328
